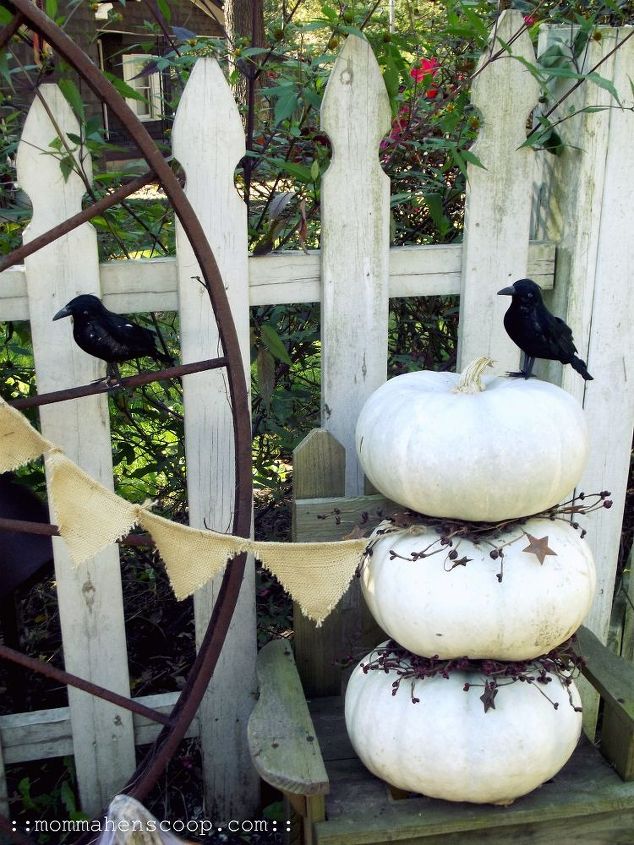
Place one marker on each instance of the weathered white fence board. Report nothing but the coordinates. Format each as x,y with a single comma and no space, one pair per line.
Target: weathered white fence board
90,601
48,733
588,211
609,399
355,238
498,206
208,140
150,284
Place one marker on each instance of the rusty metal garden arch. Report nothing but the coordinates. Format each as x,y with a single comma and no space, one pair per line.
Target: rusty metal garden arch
175,726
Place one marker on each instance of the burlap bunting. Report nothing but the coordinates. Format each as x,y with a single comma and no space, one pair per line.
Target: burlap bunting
315,574
19,441
91,517
191,556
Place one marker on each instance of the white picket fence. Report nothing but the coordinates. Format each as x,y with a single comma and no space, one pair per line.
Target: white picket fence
580,204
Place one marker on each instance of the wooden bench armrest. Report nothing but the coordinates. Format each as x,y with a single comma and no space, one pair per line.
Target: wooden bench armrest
613,678
281,735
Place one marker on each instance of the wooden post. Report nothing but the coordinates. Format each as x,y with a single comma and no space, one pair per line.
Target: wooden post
208,140
90,601
589,212
319,464
498,206
355,199
609,399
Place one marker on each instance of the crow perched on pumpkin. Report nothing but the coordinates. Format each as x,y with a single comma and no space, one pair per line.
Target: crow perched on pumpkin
537,332
109,336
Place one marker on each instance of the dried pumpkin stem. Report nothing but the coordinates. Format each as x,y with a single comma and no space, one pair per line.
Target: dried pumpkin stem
470,379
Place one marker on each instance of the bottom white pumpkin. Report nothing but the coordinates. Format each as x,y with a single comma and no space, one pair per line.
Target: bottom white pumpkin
447,746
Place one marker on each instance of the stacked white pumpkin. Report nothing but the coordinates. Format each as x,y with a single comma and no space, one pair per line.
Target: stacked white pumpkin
478,450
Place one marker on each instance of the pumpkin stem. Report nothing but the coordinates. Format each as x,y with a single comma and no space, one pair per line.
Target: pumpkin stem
470,378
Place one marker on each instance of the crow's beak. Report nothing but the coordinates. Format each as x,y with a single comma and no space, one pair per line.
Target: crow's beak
504,292
63,312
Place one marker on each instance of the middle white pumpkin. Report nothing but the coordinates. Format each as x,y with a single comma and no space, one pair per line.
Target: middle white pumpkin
431,606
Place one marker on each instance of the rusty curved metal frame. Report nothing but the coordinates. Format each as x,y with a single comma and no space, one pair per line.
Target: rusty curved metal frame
101,386
205,662
63,677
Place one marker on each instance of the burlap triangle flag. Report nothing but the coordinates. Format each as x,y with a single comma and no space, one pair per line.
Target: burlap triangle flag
19,441
191,556
315,574
89,516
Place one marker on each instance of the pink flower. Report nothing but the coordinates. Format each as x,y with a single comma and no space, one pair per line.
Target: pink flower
426,67
424,73
529,20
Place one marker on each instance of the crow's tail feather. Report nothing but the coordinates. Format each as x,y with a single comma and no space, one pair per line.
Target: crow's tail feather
164,359
580,366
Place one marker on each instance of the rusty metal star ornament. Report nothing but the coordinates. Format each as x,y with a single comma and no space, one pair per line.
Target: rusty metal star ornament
538,547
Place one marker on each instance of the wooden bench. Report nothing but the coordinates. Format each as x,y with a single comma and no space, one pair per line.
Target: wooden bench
298,741
302,749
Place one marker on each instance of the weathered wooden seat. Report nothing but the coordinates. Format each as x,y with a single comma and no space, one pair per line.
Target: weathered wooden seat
302,749
298,740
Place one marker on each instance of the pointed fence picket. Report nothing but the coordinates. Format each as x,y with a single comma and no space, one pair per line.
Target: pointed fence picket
208,141
355,243
586,209
353,277
497,210
90,604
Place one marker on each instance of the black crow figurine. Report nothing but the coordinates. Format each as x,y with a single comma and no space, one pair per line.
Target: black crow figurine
537,332
108,336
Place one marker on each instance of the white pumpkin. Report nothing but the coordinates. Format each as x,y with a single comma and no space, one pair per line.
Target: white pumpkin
454,446
431,606
446,746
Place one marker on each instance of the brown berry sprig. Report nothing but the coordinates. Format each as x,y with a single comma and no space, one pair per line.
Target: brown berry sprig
563,662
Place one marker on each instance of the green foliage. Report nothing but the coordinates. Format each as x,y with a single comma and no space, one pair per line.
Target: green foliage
57,801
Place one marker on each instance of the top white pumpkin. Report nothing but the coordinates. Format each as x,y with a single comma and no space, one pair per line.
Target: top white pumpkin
446,445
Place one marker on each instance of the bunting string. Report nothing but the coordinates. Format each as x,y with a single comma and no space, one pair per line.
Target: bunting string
90,517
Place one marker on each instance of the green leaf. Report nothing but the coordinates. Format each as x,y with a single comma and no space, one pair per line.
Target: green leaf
564,73
604,83
554,56
391,78
273,343
67,165
265,365
5,16
123,88
72,97
285,106
472,158
330,13
353,30
51,9
580,42
436,212
68,798
165,9
314,170
299,171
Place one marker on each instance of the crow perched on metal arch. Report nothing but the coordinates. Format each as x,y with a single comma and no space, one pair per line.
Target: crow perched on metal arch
537,332
106,335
